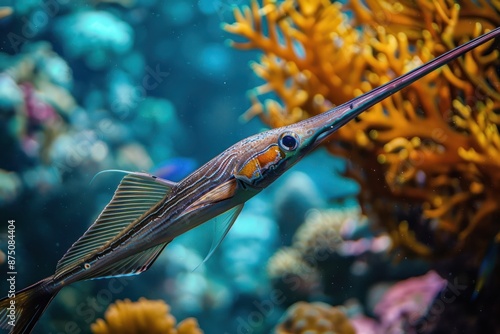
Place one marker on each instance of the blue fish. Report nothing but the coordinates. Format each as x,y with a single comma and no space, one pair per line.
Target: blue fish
486,268
175,169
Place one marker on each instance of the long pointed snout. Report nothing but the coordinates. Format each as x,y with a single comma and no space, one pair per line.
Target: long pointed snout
325,124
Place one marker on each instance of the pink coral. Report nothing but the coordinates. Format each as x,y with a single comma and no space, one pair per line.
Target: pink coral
38,110
408,301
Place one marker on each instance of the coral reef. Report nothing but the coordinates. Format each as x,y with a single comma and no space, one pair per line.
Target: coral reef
321,233
405,303
334,256
36,106
143,316
57,137
302,318
426,158
292,275
96,36
407,306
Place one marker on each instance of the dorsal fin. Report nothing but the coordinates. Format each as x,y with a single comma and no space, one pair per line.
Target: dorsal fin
167,183
134,197
221,224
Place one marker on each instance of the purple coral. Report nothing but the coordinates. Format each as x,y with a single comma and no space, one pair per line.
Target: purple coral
407,301
38,110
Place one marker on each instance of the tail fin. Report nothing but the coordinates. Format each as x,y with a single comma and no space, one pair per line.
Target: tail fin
21,312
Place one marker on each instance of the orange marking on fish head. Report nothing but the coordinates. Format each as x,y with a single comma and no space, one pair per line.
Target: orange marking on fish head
250,171
253,170
270,157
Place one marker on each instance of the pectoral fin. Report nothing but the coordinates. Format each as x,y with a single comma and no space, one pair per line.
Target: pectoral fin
221,225
137,194
222,192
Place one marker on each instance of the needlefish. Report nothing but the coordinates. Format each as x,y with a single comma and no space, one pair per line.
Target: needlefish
147,212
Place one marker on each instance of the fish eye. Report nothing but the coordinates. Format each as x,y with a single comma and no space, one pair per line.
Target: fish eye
289,141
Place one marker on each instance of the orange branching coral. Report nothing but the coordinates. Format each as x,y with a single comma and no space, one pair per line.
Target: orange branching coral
314,318
413,17
431,148
143,316
285,64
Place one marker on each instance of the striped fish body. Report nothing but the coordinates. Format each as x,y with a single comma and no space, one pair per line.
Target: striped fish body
214,189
